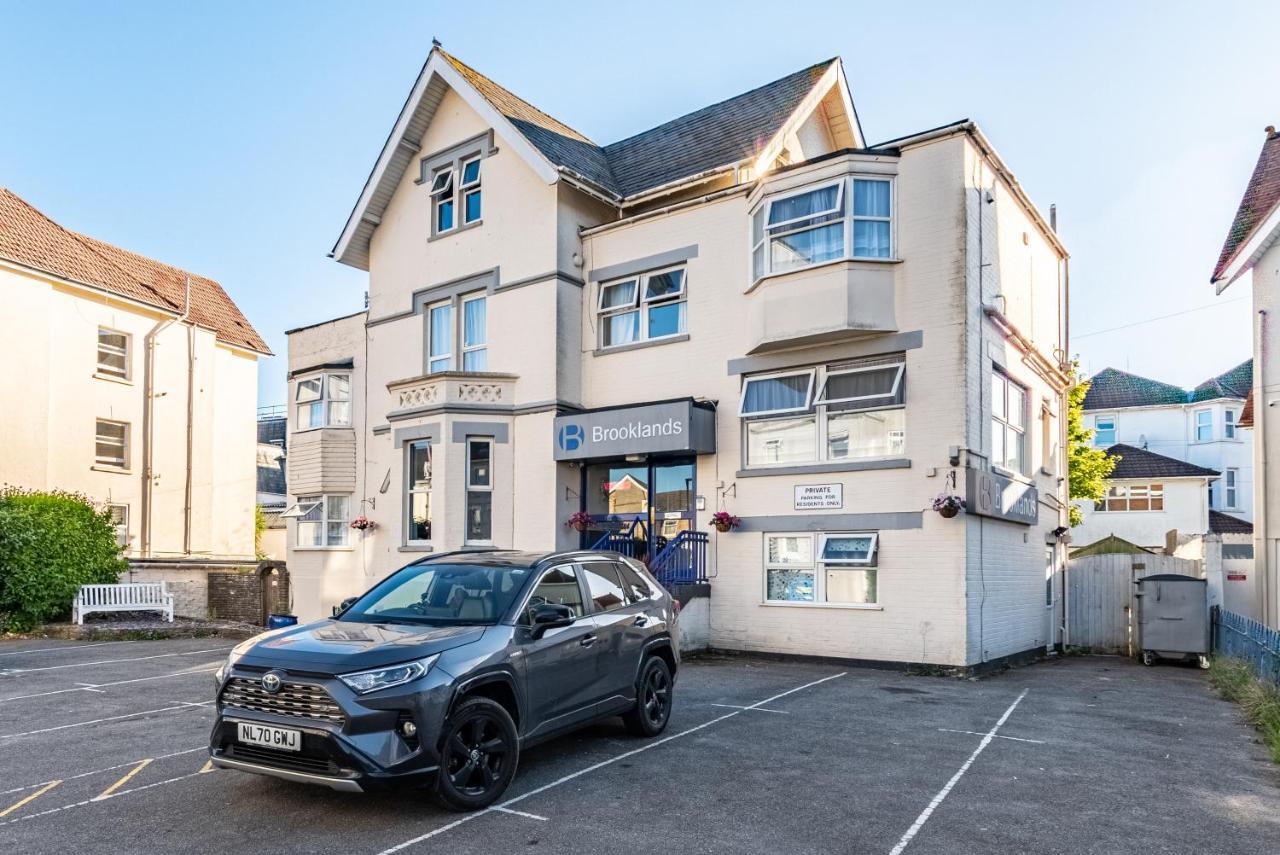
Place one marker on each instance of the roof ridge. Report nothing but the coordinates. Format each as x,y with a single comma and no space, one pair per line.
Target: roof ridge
91,245
457,62
721,102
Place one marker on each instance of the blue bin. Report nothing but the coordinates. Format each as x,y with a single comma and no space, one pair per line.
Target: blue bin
280,621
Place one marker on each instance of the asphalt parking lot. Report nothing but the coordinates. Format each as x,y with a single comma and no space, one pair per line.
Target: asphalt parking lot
102,749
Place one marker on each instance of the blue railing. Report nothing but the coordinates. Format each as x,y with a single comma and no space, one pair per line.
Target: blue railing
683,560
624,542
1236,636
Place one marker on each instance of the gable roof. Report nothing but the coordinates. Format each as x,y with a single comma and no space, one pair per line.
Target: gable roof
1111,388
715,137
1139,463
1221,523
1235,383
1110,545
29,238
1261,201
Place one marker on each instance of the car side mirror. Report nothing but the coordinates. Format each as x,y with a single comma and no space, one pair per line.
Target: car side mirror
545,616
344,605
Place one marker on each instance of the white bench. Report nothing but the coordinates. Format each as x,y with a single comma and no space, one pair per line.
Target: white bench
129,597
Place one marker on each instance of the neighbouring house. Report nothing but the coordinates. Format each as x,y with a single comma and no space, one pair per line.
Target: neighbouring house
1200,426
273,433
1252,249
1148,496
747,309
138,383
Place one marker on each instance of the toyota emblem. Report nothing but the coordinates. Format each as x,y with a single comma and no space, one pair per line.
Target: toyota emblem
271,682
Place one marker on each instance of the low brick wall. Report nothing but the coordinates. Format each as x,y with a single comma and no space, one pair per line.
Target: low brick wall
236,596
187,582
215,590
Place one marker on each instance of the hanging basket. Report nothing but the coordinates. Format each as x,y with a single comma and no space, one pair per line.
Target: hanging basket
723,527
948,512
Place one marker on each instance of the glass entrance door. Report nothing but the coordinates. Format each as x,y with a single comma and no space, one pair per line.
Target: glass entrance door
647,502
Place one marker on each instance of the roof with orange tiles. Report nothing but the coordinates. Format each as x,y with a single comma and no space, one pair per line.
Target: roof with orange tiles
31,239
1260,198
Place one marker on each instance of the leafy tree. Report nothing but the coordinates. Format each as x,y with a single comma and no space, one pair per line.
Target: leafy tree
1088,468
50,545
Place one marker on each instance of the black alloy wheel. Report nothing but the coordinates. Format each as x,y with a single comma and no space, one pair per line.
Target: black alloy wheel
478,756
653,699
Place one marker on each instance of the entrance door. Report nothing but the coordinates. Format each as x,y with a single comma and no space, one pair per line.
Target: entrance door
650,502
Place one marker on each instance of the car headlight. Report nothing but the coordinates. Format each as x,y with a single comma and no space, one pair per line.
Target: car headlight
363,682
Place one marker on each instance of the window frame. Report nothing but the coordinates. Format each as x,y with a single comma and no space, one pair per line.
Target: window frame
410,491
818,567
447,192
121,527
1230,488
470,487
640,303
106,372
464,348
843,214
1151,491
466,189
122,462
1097,431
1228,423
296,512
774,375
860,369
1196,424
450,335
1008,381
325,401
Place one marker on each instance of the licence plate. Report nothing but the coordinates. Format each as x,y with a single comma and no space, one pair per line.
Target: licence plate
270,737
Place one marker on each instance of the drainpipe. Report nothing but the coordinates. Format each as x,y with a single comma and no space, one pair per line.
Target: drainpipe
1264,566
191,410
149,419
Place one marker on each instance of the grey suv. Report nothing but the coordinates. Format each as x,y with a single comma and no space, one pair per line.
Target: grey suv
443,672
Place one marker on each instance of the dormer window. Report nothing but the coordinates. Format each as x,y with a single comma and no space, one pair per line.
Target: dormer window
452,179
849,218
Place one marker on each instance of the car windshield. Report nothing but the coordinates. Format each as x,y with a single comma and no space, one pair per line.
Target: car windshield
441,594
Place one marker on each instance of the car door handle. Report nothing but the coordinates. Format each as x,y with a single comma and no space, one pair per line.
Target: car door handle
641,620
588,640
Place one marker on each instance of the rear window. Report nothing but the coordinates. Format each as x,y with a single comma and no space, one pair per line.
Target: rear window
441,594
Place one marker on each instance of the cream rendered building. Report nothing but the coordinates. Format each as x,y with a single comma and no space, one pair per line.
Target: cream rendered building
132,382
748,309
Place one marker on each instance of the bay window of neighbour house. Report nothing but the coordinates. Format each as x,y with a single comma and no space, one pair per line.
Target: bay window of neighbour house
1104,432
848,218
643,308
1125,498
111,443
1204,425
816,568
418,491
1230,493
323,401
323,521
479,519
843,411
475,333
113,353
1008,423
1229,424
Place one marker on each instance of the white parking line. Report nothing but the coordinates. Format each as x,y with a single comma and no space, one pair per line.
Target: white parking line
623,756
99,799
942,794
114,661
206,668
68,647
104,769
752,709
521,813
182,705
998,736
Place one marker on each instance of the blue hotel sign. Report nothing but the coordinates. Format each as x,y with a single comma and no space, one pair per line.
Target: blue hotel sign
663,428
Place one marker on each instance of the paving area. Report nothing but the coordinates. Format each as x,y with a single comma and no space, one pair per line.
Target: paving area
102,749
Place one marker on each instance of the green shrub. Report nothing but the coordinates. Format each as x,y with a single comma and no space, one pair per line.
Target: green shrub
50,545
1259,701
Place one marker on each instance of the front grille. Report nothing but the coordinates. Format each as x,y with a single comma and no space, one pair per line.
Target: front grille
294,699
282,759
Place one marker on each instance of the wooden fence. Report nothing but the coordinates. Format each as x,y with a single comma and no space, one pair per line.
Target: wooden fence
1100,604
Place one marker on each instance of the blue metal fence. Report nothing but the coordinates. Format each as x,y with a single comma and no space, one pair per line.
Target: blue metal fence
683,560
1241,638
629,542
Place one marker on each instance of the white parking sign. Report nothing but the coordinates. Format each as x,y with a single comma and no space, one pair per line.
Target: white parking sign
812,497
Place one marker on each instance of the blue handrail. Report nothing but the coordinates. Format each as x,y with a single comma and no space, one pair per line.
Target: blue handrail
683,560
623,542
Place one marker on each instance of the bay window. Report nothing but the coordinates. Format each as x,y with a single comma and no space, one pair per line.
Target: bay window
418,492
323,521
834,568
1204,425
643,308
479,519
440,338
856,413
1008,422
849,218
1229,423
323,401
475,333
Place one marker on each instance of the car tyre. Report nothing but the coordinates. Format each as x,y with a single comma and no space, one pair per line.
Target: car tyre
479,752
653,699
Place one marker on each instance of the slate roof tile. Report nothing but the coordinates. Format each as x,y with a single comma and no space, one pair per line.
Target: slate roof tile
1261,195
1221,523
1139,463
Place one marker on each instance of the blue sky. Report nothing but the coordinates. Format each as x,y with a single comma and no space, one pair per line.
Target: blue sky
232,139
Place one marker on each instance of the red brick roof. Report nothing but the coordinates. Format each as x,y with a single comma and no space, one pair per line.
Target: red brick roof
33,240
1246,415
1260,197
